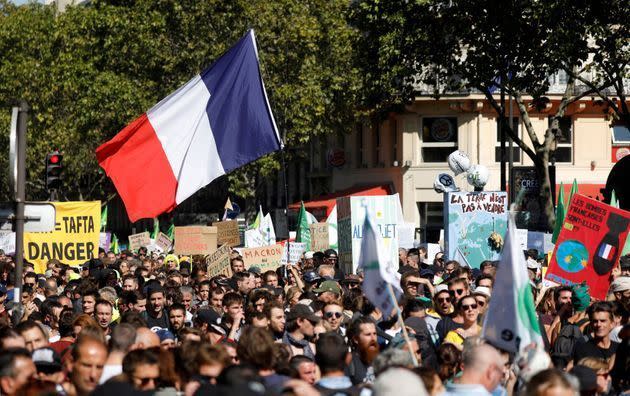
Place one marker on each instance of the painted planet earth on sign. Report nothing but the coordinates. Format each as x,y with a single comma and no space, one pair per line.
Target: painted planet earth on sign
572,256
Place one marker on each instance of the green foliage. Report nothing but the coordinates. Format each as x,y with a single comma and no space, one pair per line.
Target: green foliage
89,71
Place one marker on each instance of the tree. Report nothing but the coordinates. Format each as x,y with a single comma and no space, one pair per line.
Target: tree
486,46
90,70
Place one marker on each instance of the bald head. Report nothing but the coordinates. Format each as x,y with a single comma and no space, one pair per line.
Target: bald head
145,338
482,365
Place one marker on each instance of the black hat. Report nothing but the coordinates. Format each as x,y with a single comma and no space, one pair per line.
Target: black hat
46,360
301,311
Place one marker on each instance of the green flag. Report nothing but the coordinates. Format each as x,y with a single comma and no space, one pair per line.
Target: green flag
156,228
113,246
171,231
303,233
560,211
104,218
257,221
574,190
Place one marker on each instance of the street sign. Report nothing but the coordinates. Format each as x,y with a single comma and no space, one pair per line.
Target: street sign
13,150
38,217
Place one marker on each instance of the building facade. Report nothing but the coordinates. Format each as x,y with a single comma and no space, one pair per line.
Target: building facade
408,150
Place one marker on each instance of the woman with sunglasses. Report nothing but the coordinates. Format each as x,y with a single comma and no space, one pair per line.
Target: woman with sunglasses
469,310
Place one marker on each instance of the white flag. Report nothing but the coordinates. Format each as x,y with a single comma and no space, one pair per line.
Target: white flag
511,322
254,239
333,238
378,269
267,231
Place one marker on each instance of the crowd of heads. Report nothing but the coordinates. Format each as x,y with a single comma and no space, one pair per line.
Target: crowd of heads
144,322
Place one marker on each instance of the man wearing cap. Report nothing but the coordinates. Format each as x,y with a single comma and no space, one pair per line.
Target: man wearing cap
328,291
48,364
620,288
331,258
309,262
442,307
300,329
482,295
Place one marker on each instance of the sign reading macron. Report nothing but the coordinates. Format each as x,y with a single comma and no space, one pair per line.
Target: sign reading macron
74,240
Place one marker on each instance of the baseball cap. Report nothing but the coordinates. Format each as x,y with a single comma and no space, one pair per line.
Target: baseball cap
308,255
46,360
300,311
165,335
442,287
620,284
482,291
328,286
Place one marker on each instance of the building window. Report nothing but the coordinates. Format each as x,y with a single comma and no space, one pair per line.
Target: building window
516,151
431,221
439,138
620,135
564,149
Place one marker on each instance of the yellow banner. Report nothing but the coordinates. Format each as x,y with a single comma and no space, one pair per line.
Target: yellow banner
74,240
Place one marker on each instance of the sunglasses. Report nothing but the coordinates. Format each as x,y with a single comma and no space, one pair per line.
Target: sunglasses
331,314
459,292
146,380
444,299
467,307
481,303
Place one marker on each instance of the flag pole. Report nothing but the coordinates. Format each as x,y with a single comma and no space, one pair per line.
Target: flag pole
286,205
402,325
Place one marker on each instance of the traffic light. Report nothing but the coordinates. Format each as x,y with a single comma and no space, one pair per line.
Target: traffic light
53,170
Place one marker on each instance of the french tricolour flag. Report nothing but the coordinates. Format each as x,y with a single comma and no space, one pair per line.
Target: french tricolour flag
215,123
606,251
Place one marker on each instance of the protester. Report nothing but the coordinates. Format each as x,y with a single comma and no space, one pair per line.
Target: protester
148,322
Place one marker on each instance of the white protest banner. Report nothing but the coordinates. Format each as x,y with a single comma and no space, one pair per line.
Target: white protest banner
521,237
7,242
406,235
136,241
432,250
295,252
254,239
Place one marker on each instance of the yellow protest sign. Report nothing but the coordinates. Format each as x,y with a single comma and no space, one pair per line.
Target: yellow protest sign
74,240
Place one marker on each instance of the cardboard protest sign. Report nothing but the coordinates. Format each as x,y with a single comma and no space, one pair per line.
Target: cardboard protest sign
227,232
136,241
469,220
74,240
163,242
385,212
195,240
319,236
589,244
296,249
219,262
264,258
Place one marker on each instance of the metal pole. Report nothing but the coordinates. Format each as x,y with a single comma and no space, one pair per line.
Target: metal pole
20,198
511,146
286,206
502,134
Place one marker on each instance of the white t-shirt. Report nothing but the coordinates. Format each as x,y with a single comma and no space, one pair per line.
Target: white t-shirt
109,371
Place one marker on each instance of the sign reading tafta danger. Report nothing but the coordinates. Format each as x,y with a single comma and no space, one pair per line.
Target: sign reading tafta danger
589,245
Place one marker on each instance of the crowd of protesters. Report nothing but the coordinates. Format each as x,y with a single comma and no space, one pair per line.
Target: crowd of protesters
146,323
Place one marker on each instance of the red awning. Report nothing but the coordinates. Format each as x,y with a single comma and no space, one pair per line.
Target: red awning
329,201
590,190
